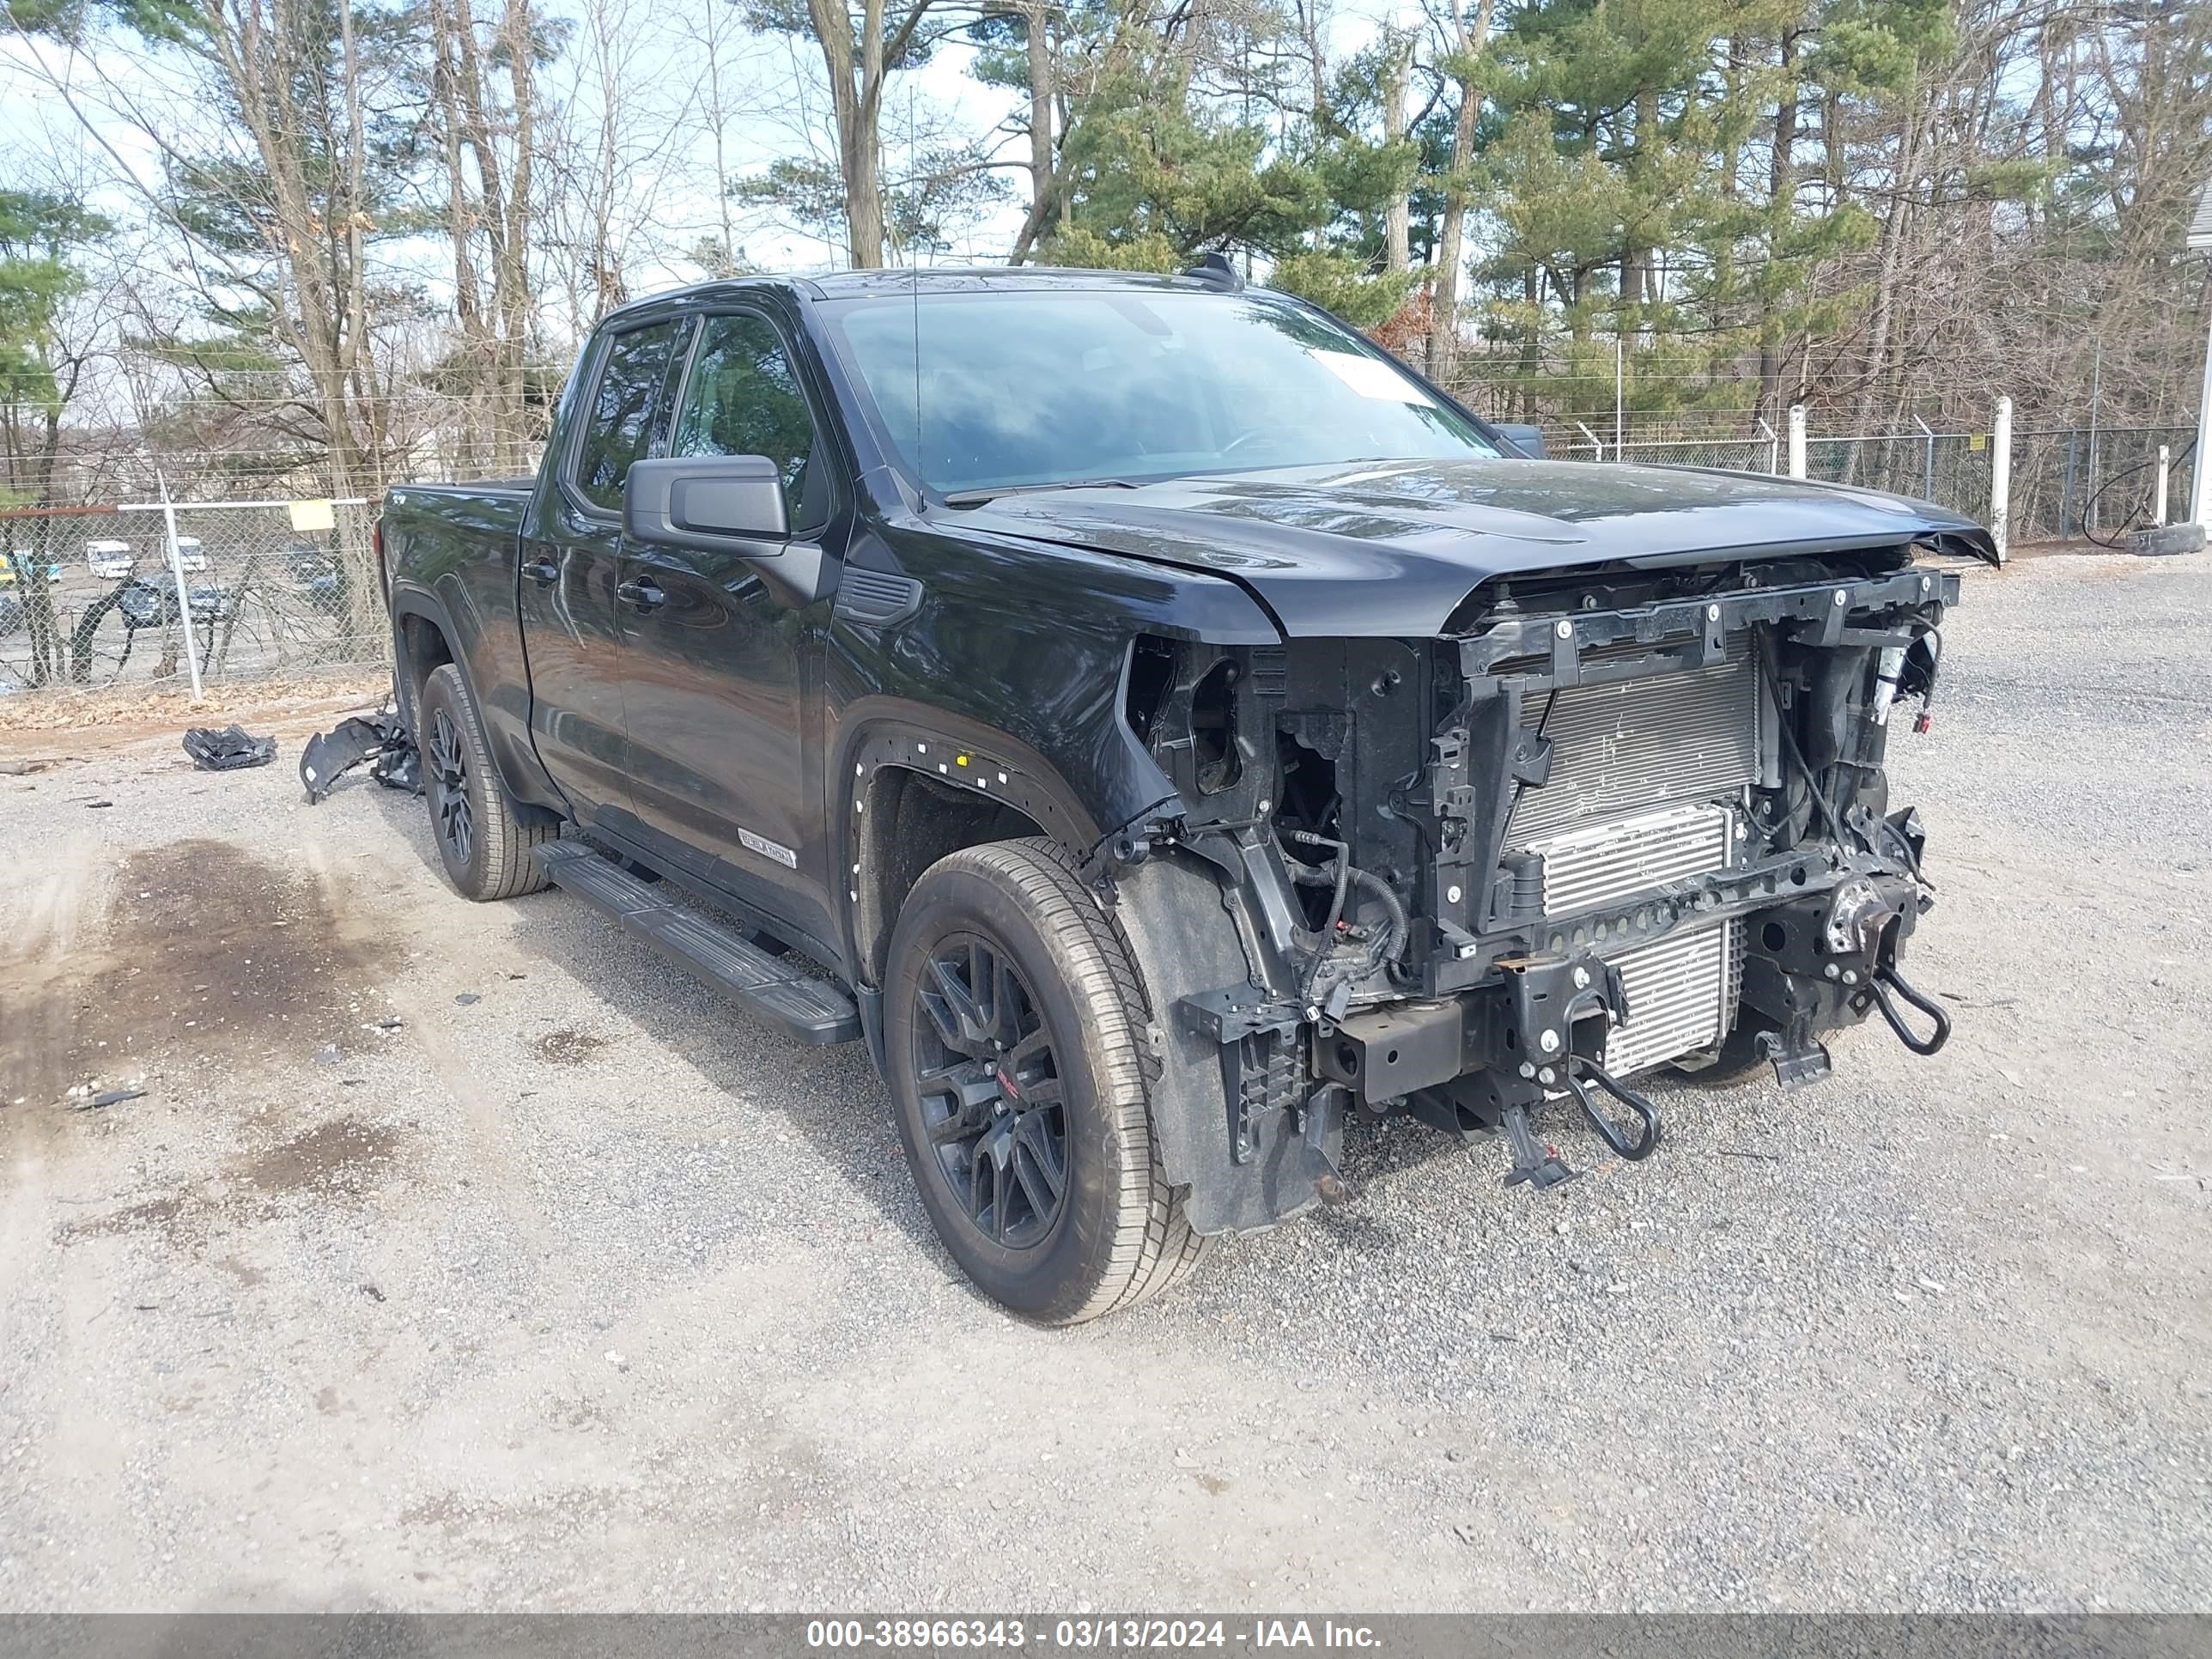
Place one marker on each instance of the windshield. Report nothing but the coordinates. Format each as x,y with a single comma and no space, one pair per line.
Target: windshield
1016,390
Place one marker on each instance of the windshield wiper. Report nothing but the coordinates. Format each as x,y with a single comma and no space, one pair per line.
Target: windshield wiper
977,497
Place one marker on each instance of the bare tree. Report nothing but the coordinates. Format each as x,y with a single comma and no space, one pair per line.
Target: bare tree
1397,221
859,52
489,145
1465,38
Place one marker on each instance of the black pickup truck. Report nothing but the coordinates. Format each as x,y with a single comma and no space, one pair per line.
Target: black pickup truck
1163,728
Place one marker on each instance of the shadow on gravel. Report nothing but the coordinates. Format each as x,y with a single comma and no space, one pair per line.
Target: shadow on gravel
846,1125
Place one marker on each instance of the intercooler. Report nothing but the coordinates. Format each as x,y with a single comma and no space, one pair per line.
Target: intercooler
1643,772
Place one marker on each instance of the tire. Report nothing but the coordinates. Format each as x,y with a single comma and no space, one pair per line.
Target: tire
1113,1233
484,844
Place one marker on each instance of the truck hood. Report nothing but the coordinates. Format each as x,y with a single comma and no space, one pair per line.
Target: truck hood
1390,548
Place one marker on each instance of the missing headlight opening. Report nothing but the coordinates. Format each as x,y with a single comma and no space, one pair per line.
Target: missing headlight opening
1591,832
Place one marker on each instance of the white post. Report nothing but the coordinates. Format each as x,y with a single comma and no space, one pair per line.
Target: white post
1796,440
2200,465
1597,449
1620,410
1773,448
184,598
2000,479
2158,499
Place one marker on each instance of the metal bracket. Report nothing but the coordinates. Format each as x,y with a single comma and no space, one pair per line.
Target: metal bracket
1798,1058
1533,1163
1262,1068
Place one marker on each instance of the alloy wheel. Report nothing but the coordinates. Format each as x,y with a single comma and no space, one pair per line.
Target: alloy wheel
991,1102
449,788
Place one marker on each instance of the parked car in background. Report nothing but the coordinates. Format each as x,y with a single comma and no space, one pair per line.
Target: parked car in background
191,556
15,565
109,561
149,602
317,574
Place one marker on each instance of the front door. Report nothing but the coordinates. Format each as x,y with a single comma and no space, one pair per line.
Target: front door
716,663
570,573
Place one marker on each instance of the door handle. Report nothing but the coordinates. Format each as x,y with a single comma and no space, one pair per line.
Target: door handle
543,571
643,592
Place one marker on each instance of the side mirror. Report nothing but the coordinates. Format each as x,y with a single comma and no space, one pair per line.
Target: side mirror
707,503
1529,440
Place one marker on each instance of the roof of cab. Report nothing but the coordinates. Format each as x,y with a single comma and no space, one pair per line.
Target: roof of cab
856,284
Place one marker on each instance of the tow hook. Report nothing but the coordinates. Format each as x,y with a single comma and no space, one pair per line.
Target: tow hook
1634,1151
1886,980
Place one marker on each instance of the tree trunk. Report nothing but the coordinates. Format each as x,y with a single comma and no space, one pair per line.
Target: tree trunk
1043,185
1891,244
856,69
1781,196
1398,218
1444,304
1444,321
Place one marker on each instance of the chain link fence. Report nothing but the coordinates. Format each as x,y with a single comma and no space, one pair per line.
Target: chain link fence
2072,483
2068,484
1759,454
89,596
1951,469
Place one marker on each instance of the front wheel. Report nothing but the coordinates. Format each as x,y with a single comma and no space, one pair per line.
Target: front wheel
484,844
1013,1025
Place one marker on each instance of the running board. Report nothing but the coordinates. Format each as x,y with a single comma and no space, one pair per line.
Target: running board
768,987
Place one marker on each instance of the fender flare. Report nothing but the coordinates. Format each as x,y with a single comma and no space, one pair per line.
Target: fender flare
407,599
957,752
541,802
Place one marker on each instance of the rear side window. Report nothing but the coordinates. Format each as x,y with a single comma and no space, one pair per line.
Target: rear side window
743,399
618,423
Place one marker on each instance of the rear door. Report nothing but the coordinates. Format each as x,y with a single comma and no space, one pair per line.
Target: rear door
716,664
572,566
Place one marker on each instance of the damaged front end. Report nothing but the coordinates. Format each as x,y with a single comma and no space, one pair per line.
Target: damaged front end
1606,822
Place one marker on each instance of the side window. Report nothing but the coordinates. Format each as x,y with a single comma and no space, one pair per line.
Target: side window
618,420
743,399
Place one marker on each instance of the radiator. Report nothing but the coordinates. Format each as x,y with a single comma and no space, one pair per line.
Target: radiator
1636,744
1639,771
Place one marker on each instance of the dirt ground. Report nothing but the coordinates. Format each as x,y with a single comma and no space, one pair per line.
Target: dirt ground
459,1256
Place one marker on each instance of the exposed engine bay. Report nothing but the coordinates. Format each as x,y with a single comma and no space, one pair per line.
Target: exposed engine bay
1608,822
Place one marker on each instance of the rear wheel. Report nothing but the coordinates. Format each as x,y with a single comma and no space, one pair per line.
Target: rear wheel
1013,1025
483,843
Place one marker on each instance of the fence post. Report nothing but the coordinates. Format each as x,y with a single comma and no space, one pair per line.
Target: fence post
1620,401
2200,467
2158,499
2066,484
1773,448
1796,440
1597,449
2000,479
1928,460
177,571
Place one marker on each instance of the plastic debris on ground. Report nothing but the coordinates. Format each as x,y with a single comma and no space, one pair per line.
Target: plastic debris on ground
229,750
380,737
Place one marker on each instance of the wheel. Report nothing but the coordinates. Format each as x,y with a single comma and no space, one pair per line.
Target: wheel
1013,1025
485,846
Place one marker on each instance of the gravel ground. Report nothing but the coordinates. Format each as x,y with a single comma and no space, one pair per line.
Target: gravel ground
576,1290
